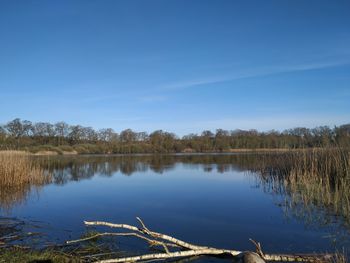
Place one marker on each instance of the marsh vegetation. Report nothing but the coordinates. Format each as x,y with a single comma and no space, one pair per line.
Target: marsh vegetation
310,179
19,175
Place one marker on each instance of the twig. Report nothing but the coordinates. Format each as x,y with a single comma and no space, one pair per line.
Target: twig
258,248
142,224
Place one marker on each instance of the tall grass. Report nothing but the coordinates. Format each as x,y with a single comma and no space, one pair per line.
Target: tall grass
19,174
322,178
311,178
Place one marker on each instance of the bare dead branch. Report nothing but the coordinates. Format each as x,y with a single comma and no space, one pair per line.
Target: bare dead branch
142,224
192,250
258,248
177,254
142,230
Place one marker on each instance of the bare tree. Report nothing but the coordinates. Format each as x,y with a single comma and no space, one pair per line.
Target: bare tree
128,136
107,135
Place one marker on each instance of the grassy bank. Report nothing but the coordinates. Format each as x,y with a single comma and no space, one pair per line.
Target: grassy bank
15,255
100,149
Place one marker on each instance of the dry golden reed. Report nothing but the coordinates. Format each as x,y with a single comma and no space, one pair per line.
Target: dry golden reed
322,178
311,177
19,174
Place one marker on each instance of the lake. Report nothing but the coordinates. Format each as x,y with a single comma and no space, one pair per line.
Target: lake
216,200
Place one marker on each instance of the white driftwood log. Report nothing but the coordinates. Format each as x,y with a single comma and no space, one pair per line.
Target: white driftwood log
189,250
146,231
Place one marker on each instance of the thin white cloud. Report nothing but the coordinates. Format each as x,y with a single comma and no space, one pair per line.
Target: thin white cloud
197,82
258,72
313,66
153,98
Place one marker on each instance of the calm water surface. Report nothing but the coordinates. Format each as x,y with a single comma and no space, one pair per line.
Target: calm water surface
211,200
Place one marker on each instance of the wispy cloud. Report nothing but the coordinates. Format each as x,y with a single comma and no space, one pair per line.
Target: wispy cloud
312,66
253,73
153,98
196,82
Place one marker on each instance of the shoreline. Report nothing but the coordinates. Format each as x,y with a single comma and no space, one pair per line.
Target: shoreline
186,151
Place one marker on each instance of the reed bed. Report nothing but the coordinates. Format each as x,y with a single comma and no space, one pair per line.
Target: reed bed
322,178
19,174
313,178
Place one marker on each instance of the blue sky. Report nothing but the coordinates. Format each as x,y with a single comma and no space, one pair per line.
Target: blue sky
181,66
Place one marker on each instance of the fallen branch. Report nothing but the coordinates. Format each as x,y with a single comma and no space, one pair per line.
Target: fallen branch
165,241
146,231
177,254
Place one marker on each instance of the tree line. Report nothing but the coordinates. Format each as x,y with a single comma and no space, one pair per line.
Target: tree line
25,135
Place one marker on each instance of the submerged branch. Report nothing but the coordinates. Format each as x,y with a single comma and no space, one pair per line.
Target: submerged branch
151,242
